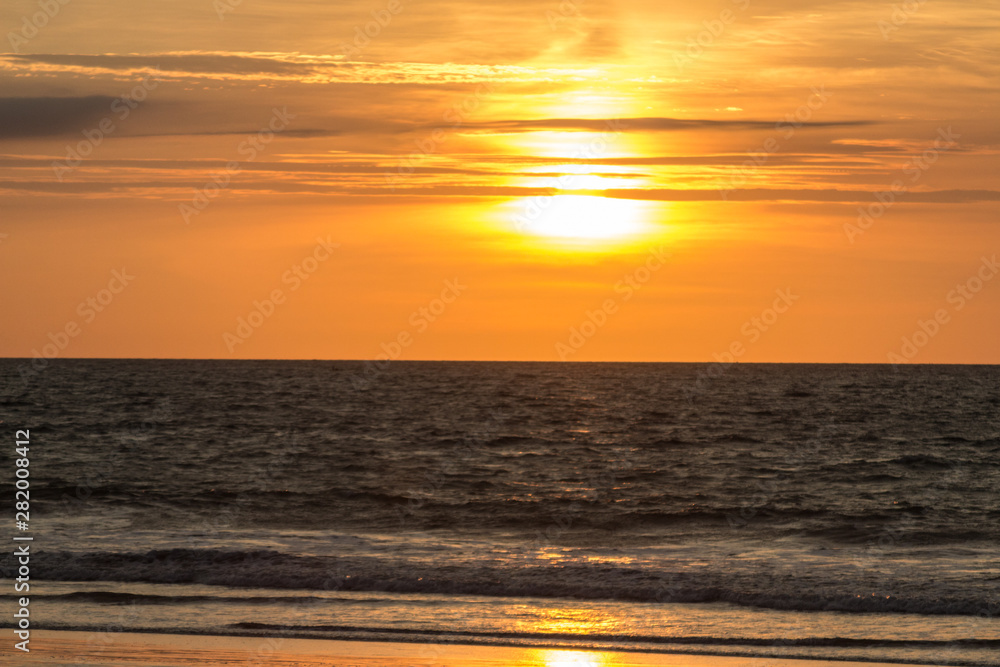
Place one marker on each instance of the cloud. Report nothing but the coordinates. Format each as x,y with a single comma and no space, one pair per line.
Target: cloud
22,117
52,116
39,117
307,133
602,41
170,189
280,67
195,63
803,194
637,125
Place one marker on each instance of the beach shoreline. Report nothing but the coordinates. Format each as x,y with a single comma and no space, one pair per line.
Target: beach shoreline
64,648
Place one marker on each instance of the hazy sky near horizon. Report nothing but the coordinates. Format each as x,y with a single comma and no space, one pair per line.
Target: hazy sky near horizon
637,180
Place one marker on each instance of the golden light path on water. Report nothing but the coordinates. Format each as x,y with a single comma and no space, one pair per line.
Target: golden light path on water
582,621
569,659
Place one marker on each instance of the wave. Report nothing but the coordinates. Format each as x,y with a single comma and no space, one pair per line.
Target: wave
270,569
645,639
116,598
926,461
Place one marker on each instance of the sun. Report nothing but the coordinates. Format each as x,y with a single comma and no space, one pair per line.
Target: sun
580,217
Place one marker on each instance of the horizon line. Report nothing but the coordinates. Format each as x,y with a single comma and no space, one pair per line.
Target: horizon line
512,361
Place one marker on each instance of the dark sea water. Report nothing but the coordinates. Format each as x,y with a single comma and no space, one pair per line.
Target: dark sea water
835,511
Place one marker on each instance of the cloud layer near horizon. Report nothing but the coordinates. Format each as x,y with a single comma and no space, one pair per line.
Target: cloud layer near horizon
427,117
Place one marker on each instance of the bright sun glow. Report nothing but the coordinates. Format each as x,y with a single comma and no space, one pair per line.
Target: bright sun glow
578,177
606,142
581,217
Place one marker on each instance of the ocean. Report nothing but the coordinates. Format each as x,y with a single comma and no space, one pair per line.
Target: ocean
771,510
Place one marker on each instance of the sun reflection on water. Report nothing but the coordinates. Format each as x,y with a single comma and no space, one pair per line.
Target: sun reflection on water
569,659
563,621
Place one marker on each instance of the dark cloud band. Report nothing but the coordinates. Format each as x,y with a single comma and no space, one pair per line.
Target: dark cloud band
22,117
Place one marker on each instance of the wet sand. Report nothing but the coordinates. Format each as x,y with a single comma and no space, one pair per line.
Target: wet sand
157,650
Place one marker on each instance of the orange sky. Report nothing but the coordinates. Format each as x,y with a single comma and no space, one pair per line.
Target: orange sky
642,181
